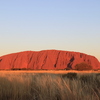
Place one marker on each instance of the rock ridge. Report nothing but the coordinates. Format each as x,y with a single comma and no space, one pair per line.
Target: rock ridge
46,59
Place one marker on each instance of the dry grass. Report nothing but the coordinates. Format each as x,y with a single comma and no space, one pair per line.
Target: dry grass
52,85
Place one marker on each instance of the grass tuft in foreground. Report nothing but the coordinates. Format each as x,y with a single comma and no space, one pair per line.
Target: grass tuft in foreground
45,86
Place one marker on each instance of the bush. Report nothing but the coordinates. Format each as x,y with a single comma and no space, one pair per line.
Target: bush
15,68
70,76
83,66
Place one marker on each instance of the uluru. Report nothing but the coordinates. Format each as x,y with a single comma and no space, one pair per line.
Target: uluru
47,59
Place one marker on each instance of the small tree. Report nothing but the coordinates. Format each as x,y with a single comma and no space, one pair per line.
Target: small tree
83,66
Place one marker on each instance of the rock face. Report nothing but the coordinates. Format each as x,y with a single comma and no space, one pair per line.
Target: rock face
47,59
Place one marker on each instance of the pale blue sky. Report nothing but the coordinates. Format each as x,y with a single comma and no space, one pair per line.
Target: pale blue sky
71,25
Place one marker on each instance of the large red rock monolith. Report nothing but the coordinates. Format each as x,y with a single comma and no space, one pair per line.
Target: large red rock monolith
46,59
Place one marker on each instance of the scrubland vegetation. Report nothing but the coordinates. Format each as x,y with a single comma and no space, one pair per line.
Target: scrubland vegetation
49,86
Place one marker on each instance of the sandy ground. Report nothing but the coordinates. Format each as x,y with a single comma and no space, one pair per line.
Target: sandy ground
47,71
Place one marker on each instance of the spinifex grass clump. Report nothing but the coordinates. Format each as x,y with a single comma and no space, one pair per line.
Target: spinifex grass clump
70,86
70,76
